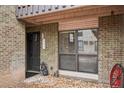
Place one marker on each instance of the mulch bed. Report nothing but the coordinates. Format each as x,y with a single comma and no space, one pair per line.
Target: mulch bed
58,82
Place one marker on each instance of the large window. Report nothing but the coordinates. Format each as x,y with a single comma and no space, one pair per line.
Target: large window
78,50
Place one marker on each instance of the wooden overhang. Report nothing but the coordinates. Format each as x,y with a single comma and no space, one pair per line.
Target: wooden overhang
74,13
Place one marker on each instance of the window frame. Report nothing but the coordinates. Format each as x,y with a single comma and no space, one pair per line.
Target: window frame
76,46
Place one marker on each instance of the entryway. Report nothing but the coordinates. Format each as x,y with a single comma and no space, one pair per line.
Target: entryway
33,53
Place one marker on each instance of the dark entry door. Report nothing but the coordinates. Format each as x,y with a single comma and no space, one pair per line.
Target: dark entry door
33,51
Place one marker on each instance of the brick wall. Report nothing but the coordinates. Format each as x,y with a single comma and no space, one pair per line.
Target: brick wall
12,47
50,54
122,40
110,45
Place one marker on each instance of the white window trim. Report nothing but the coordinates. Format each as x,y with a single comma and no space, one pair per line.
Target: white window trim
79,74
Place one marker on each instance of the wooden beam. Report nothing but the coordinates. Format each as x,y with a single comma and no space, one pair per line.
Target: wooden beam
76,13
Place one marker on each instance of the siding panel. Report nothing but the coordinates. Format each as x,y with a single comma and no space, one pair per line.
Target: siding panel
78,24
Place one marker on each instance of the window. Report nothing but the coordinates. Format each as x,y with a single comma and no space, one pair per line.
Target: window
89,38
66,51
88,63
68,62
85,42
80,33
78,51
80,45
67,42
91,43
71,37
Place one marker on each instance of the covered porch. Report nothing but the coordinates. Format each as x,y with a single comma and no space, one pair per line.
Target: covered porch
83,41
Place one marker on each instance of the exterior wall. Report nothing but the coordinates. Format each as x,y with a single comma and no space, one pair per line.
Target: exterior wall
122,40
80,23
12,47
110,45
49,55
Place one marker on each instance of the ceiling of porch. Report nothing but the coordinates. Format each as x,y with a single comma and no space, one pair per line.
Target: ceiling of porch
71,13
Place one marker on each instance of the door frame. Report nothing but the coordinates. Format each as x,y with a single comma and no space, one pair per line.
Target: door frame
26,48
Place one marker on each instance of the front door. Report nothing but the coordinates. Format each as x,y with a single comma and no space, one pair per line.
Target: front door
33,51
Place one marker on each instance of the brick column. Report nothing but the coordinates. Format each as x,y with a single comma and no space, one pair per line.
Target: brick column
109,46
